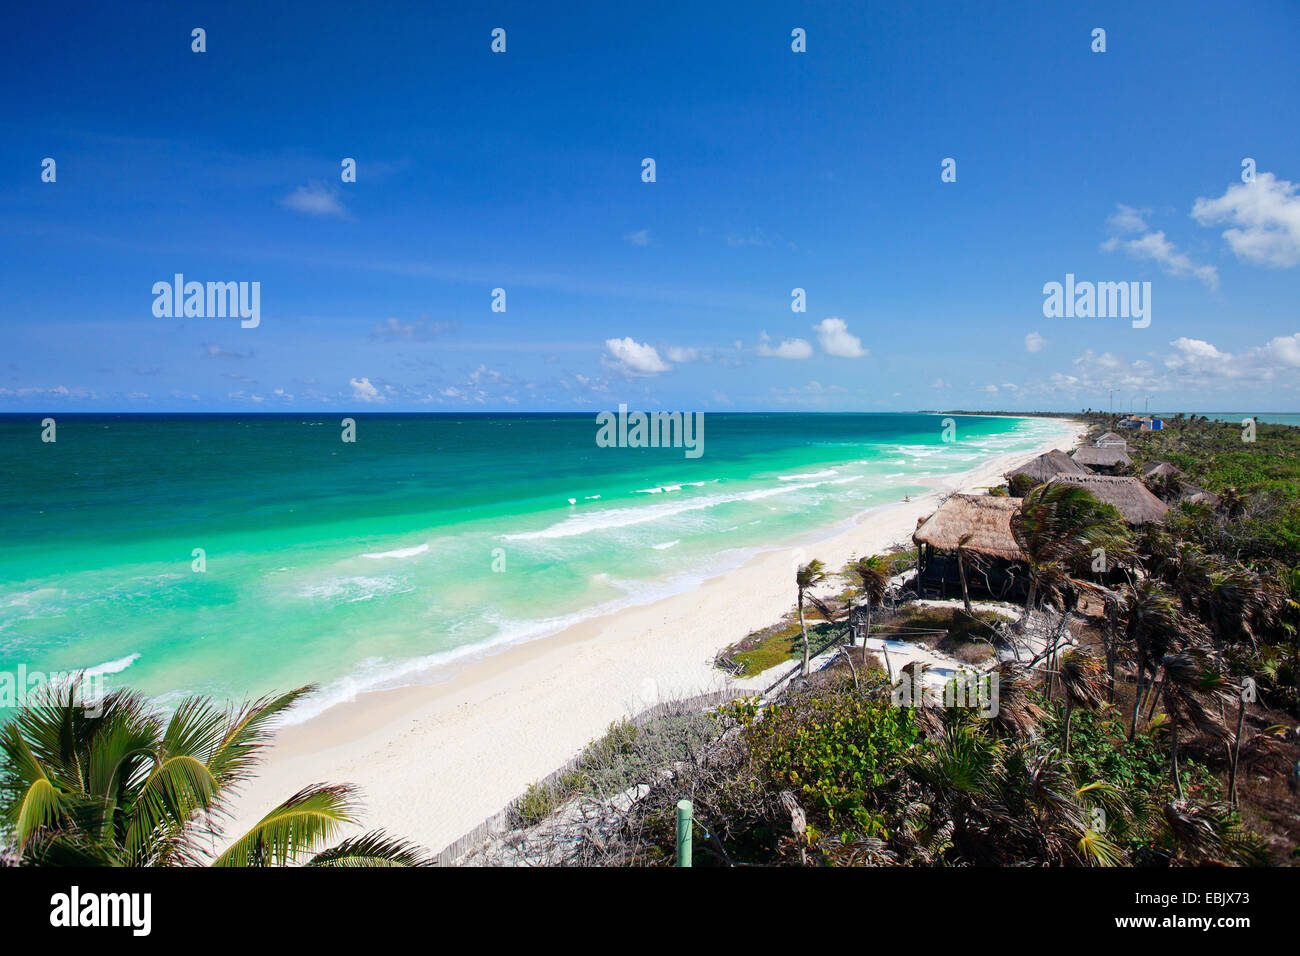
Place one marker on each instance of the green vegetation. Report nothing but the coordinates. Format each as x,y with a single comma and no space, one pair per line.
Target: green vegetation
837,774
1124,750
839,752
1259,481
123,785
627,755
777,645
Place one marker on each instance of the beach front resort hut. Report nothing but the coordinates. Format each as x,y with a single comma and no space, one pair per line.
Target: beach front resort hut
995,565
1107,459
1046,467
1199,496
1138,505
1110,439
1161,469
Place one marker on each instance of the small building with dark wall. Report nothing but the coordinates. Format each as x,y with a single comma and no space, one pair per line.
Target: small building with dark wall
995,566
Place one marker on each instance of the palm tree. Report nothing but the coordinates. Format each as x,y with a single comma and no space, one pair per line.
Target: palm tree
1232,502
1186,676
1208,832
805,578
873,572
1059,525
1080,678
1153,627
124,785
1018,713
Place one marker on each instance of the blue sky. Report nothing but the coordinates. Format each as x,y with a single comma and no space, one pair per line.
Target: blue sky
775,170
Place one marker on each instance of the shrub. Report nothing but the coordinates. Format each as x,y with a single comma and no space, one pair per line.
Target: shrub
839,752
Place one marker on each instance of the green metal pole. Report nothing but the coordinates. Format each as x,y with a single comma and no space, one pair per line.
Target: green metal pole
684,833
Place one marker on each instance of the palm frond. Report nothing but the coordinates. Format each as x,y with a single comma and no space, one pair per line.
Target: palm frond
373,849
310,817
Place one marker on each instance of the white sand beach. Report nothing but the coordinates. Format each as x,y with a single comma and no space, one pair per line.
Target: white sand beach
434,761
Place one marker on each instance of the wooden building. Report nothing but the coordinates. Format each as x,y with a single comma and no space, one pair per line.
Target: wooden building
995,566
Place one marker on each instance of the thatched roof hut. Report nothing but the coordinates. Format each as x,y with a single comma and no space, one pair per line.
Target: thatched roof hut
1129,495
1108,456
1046,467
1161,469
1110,438
986,518
1199,496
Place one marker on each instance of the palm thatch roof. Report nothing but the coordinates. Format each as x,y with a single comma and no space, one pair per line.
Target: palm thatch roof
1045,467
1199,496
1109,456
1129,495
1161,469
986,518
1110,438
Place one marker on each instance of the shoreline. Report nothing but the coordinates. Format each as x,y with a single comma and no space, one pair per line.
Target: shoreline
433,761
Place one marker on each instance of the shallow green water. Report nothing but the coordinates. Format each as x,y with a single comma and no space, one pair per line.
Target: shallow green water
372,563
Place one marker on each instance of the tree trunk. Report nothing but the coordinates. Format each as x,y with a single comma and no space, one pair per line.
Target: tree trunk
961,572
1069,713
1155,697
803,628
1236,753
1173,754
1137,704
1110,666
866,634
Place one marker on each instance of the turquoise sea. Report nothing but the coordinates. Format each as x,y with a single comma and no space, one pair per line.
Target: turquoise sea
430,538
1270,418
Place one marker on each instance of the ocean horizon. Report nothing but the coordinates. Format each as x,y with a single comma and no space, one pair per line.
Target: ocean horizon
236,555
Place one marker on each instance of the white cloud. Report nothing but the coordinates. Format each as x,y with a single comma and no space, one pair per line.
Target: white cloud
835,339
217,352
395,330
755,238
639,238
363,391
315,199
1265,220
634,358
1198,349
1128,219
678,353
1156,248
1285,350
1035,342
1191,366
788,349
814,393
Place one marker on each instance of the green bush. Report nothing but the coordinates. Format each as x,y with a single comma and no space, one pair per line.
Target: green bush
839,752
